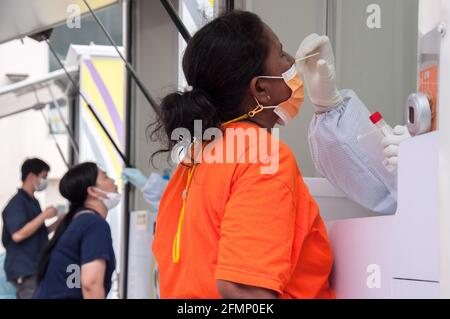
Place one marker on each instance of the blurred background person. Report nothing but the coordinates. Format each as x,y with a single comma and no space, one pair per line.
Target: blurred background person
25,234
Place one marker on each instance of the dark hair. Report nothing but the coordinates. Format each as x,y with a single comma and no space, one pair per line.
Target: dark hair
35,166
73,187
219,63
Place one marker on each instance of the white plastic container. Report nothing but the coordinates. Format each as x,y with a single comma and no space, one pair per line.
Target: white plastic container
370,142
385,130
377,120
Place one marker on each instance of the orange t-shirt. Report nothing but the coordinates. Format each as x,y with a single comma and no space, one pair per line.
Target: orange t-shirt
242,225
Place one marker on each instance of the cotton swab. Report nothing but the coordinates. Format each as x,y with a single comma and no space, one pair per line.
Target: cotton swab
307,57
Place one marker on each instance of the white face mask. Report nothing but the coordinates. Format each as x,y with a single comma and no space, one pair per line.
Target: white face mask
112,199
41,185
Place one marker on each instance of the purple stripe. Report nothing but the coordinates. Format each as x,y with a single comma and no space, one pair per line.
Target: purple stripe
112,110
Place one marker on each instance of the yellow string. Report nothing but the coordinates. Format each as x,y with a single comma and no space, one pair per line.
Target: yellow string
176,241
250,114
243,117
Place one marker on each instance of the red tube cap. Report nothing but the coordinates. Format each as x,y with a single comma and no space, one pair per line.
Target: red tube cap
376,117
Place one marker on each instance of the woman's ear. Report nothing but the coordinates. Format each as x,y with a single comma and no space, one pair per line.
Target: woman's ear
260,90
92,192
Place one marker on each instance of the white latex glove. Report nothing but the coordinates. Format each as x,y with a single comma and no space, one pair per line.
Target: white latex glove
319,72
153,189
392,142
135,177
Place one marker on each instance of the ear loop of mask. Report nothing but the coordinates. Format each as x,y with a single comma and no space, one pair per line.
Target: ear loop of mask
101,191
258,109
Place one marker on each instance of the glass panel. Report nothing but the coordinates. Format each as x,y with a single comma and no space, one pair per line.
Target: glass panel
379,64
89,32
376,52
194,14
292,22
57,118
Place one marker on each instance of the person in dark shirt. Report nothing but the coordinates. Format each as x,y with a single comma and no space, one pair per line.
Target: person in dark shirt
24,233
79,260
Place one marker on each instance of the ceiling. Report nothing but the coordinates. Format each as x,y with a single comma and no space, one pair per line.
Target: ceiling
19,18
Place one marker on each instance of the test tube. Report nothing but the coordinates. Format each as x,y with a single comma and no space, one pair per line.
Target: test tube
378,120
385,129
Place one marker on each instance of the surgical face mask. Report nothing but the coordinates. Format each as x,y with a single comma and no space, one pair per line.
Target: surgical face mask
41,184
112,199
290,108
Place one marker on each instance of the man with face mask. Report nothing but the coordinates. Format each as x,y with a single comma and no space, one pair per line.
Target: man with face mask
24,233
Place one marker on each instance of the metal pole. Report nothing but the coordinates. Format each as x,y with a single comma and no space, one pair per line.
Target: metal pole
127,38
230,5
47,122
74,144
176,20
125,160
129,67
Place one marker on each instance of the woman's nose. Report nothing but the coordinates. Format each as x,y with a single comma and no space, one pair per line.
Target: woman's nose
290,58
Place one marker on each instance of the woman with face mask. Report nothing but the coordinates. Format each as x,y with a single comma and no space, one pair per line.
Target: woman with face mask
226,227
79,260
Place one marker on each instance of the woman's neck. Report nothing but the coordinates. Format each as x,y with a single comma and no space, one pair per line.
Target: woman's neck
98,207
28,188
264,123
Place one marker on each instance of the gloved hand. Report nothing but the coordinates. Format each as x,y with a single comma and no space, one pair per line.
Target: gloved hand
153,189
319,72
391,144
135,177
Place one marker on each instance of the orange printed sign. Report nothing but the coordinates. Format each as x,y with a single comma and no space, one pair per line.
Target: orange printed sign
429,85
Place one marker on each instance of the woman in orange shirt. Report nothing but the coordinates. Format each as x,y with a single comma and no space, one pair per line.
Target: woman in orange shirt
236,219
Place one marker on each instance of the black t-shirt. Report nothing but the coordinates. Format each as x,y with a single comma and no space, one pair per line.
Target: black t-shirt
87,238
22,258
